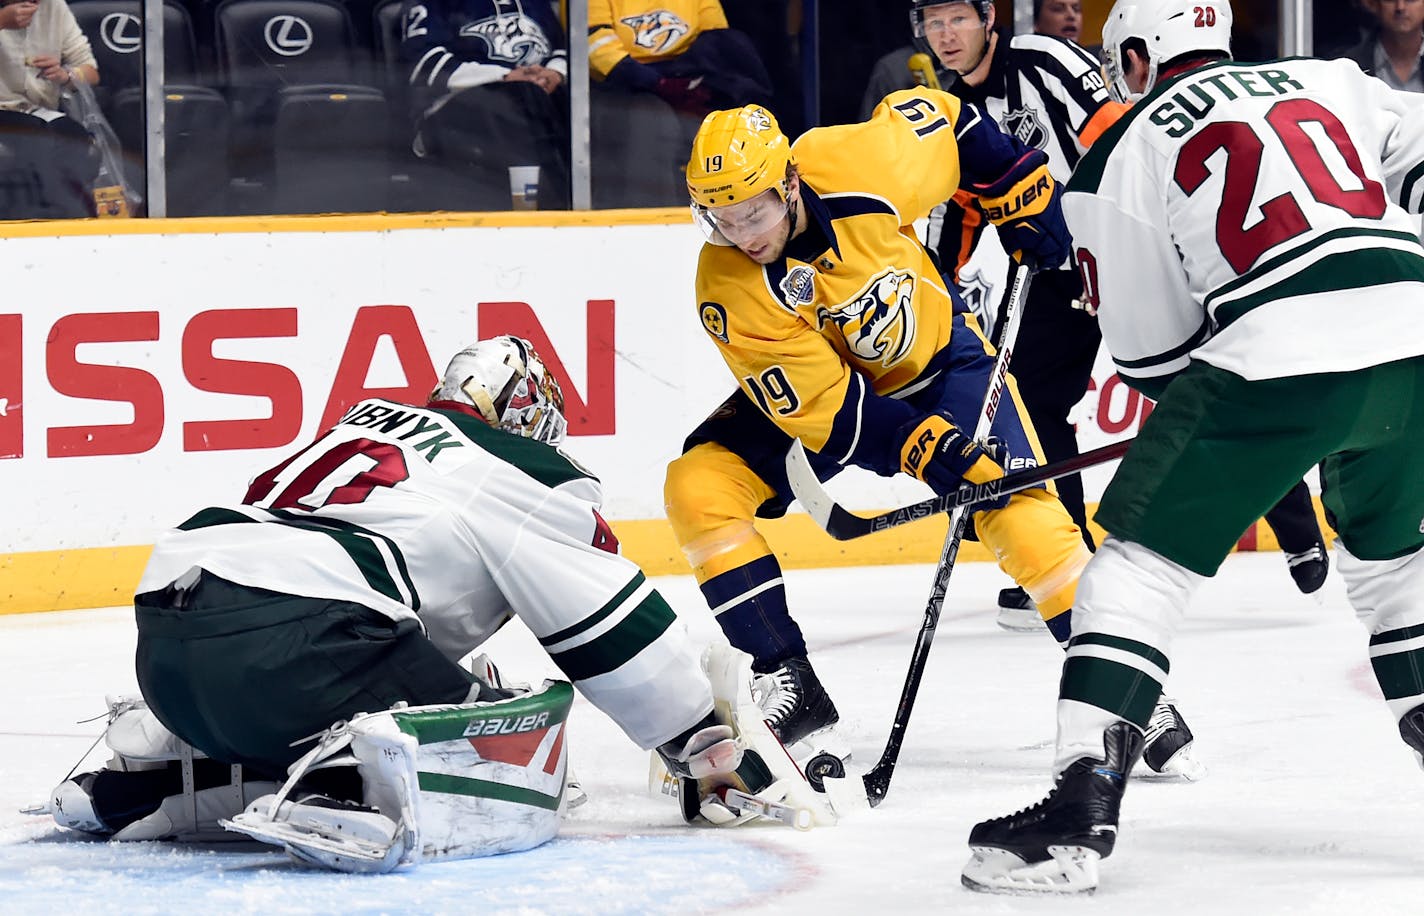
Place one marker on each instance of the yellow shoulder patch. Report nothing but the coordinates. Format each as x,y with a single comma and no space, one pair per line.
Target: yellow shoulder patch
714,319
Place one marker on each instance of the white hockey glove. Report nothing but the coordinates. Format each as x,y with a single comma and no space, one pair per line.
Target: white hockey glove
745,772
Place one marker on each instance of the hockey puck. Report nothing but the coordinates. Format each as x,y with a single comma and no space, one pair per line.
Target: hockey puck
821,766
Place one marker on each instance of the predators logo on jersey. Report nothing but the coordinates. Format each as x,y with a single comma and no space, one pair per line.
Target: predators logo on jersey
515,40
657,31
879,323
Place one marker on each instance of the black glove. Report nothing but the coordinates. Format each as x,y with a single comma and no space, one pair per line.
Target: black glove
685,94
941,454
1025,205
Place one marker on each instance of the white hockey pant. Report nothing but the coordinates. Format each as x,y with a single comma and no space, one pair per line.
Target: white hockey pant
1127,593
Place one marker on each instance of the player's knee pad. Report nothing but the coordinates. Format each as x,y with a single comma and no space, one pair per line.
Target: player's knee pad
1134,593
1037,543
711,497
154,787
759,779
438,782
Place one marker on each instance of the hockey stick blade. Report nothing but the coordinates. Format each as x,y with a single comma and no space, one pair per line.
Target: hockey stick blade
844,525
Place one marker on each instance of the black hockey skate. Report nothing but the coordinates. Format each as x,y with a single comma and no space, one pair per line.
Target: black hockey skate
1017,612
1309,568
793,701
1411,729
1169,744
1055,845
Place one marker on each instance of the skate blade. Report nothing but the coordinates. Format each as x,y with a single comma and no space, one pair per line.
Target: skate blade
1068,870
1182,766
828,740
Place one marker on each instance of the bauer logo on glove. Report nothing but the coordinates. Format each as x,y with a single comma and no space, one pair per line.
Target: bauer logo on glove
1021,199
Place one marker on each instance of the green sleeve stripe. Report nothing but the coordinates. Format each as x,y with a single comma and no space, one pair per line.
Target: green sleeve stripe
483,788
1357,269
1410,180
1274,263
1112,686
214,516
596,617
614,649
1132,646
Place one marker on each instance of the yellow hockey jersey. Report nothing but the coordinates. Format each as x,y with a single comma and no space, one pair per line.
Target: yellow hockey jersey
649,31
855,317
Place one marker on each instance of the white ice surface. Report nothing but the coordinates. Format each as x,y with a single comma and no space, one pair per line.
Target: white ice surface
1312,804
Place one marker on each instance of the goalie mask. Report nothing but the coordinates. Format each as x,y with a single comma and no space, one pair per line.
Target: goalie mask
1168,30
506,381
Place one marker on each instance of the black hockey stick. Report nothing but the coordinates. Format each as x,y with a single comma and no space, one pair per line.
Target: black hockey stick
844,525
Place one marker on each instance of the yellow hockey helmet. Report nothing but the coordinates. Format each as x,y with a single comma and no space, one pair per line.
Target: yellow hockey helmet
737,154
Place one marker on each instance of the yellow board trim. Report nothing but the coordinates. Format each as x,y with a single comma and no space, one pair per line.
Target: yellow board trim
58,580
356,222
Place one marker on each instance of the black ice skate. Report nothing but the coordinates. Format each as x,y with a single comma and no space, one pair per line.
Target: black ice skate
1411,729
1309,568
1169,744
1054,846
794,703
1017,612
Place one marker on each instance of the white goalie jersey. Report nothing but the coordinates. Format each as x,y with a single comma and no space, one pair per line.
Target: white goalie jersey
1253,216
428,513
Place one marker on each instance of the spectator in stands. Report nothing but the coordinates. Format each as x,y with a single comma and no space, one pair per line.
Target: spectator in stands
1394,53
659,67
1063,18
488,87
1339,27
47,167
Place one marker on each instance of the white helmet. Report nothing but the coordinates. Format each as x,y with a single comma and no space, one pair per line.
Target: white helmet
1169,29
506,381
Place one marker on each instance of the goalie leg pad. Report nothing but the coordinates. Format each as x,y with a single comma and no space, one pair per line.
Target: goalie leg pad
439,782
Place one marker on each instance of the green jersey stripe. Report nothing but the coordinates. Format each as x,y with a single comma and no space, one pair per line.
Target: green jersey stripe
1166,356
1273,263
483,788
597,616
615,648
1344,270
214,516
1141,649
1120,689
360,544
541,461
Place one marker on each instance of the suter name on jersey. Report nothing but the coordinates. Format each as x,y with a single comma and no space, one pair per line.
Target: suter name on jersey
1179,113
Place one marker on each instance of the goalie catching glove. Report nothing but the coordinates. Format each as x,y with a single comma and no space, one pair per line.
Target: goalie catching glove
1025,206
942,455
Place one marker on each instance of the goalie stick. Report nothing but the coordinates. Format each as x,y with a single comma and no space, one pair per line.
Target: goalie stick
844,525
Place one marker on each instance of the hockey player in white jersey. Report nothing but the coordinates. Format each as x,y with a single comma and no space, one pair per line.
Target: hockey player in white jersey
335,603
1243,231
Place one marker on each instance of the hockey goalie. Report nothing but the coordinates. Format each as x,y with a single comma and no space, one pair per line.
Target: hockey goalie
298,652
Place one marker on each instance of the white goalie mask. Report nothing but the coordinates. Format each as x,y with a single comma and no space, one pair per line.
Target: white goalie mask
506,381
1169,29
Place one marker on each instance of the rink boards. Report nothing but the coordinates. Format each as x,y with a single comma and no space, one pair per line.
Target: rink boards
150,368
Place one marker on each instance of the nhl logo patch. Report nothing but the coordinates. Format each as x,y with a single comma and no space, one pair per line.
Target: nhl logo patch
1024,125
799,286
714,319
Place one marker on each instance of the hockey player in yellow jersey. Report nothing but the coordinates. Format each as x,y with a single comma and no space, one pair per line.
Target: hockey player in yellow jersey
840,330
